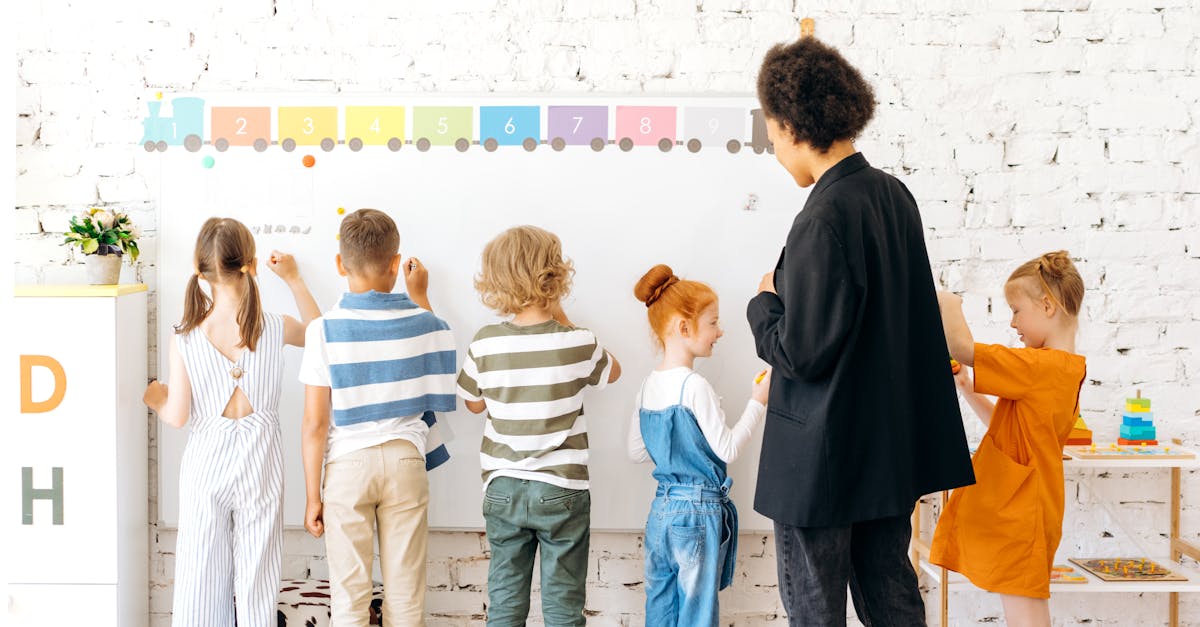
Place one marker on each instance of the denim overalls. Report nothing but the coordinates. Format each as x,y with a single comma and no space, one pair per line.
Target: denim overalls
691,533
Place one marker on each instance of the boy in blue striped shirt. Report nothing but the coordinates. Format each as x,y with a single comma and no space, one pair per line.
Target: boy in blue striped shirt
375,370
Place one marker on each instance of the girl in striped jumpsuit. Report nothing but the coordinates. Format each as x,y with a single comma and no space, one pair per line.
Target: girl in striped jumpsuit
226,371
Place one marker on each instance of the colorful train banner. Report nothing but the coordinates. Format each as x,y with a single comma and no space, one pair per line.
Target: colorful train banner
193,123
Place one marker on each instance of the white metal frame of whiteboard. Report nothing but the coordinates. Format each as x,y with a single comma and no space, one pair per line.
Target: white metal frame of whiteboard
765,178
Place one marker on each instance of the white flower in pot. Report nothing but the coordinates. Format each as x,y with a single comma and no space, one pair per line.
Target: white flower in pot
104,237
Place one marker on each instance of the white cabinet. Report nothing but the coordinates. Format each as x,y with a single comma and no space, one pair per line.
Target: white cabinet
77,461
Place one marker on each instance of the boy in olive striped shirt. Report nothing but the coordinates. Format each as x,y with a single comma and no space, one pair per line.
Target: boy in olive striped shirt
529,374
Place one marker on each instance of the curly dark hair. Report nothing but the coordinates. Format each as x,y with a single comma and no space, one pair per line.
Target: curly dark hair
812,90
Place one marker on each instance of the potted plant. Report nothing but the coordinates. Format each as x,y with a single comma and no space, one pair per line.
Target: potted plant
103,236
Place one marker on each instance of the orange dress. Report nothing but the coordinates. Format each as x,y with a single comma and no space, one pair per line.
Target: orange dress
1002,532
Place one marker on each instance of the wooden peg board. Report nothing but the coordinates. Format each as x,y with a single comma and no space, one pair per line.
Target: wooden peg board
1084,451
1127,569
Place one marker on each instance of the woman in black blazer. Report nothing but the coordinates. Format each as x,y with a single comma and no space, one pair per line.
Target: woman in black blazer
863,416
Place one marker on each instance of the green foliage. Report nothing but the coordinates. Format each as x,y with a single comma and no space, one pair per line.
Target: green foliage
103,232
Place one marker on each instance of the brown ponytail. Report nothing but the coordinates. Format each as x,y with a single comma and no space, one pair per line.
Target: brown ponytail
250,316
1055,276
224,252
196,305
667,295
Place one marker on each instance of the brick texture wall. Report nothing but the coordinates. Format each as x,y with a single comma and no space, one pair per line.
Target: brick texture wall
1020,125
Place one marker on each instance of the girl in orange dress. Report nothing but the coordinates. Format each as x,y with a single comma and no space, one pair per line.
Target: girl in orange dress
1002,532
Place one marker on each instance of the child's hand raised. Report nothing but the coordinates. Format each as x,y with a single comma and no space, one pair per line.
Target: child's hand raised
762,387
155,396
283,265
416,277
963,381
416,282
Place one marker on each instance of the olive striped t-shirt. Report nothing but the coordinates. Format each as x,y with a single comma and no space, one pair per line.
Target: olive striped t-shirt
532,380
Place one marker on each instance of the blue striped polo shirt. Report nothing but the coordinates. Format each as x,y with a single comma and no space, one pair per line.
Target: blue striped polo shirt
390,365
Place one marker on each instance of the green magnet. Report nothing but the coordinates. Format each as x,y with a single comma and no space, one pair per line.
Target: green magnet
208,162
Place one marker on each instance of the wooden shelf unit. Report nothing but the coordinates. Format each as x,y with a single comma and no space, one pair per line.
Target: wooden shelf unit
1178,546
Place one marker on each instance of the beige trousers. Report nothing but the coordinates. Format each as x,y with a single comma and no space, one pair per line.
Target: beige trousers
382,486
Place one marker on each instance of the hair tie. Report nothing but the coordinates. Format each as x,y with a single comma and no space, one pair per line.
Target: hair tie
244,269
660,290
199,275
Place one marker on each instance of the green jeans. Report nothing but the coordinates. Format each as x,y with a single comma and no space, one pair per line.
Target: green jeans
521,516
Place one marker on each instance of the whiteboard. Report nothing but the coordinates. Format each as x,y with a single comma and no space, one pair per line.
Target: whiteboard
618,212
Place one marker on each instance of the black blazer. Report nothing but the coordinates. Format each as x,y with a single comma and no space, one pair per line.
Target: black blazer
863,416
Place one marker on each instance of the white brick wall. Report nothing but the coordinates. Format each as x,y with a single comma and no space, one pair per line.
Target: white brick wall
1021,126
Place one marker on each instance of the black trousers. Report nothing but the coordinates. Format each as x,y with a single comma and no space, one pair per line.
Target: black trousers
817,563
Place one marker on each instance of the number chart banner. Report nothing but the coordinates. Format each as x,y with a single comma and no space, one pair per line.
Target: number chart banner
292,123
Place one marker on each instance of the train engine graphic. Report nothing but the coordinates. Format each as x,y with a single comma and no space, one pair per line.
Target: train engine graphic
184,128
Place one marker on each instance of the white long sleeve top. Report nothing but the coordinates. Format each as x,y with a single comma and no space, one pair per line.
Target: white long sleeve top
661,390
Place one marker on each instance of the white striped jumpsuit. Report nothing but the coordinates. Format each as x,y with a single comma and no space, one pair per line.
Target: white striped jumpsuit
230,487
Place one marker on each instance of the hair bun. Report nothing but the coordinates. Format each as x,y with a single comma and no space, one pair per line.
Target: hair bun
1055,264
652,284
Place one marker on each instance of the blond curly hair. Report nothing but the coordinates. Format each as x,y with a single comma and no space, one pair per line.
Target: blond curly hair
523,267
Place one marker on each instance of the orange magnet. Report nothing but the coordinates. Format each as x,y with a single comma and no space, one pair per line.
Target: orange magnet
807,27
309,161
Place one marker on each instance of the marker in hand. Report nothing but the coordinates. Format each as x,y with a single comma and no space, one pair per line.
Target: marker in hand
760,376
